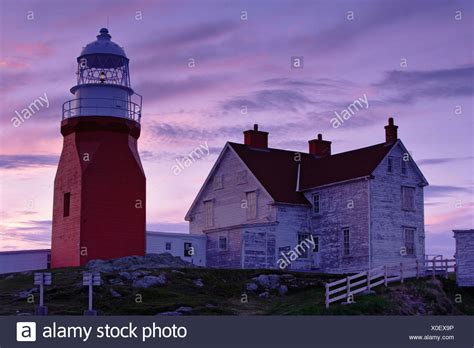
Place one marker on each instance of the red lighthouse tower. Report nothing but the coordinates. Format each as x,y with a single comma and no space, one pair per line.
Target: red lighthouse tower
99,189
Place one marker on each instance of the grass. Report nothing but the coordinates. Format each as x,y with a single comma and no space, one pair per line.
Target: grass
224,294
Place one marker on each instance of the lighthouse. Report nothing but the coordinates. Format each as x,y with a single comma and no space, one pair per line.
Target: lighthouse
99,206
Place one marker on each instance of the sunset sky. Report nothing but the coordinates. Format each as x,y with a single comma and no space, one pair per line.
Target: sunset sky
412,59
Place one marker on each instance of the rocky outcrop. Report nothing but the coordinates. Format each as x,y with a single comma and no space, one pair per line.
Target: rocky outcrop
131,263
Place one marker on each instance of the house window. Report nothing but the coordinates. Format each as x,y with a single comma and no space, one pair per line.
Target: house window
316,244
242,177
218,182
209,213
316,204
404,167
251,205
346,242
66,203
303,242
188,249
390,165
409,236
168,246
48,261
408,198
222,243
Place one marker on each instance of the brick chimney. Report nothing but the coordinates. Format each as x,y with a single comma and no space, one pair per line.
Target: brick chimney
391,132
255,138
320,147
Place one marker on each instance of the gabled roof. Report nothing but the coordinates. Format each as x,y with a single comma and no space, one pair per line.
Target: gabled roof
277,170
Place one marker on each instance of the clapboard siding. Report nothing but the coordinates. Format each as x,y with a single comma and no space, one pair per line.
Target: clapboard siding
229,202
343,205
388,217
464,257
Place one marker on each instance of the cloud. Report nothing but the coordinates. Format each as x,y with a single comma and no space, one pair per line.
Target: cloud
409,86
435,161
165,89
196,34
322,83
270,99
165,132
26,161
35,231
440,190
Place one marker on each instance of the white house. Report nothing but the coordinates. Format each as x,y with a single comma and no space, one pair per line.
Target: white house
262,207
464,257
24,260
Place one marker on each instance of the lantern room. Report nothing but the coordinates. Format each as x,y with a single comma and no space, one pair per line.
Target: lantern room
103,82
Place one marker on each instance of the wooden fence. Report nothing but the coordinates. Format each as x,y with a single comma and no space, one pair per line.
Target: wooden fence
365,281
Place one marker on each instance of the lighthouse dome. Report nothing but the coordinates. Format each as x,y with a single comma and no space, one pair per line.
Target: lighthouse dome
103,45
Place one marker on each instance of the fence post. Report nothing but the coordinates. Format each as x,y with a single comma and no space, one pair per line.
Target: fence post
446,267
348,287
327,296
433,262
368,280
385,275
401,272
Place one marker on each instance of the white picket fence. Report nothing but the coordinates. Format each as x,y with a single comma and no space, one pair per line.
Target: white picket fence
365,281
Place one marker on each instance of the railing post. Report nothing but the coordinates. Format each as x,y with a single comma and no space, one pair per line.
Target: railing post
327,296
446,267
433,262
401,272
368,280
385,275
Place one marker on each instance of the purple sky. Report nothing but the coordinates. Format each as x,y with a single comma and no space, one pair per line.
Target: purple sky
243,62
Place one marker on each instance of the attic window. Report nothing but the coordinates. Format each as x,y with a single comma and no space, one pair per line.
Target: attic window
209,213
242,177
404,166
316,203
251,205
218,182
390,165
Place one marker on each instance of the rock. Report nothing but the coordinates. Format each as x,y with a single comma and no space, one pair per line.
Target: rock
210,305
282,290
115,281
114,293
265,294
125,275
198,283
251,287
271,281
184,310
148,281
170,313
177,272
26,293
139,274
